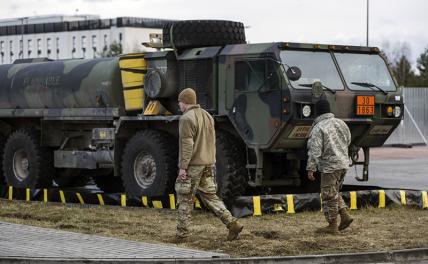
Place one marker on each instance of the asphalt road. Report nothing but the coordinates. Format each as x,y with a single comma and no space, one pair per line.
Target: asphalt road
397,168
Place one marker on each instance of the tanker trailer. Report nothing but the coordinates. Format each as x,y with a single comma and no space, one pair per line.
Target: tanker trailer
117,118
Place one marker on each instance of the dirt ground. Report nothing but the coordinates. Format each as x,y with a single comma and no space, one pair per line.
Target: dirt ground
269,235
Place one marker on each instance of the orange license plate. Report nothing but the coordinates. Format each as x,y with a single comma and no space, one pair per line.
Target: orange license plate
365,105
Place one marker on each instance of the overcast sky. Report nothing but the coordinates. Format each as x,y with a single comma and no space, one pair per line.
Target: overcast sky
392,22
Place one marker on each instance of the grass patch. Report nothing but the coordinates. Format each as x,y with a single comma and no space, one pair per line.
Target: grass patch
270,235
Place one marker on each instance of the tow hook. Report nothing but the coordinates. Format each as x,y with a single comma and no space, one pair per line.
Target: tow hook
355,161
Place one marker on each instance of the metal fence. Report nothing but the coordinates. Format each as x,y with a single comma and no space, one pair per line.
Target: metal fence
414,127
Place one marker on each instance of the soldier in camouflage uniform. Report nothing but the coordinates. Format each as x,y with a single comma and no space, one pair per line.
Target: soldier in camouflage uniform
328,153
196,163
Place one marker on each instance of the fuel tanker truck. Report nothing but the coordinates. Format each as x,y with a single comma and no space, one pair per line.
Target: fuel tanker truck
116,118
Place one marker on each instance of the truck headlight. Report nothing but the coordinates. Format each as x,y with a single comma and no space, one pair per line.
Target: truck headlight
397,111
306,111
389,111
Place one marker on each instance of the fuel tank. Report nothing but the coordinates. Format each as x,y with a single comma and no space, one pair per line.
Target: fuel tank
73,83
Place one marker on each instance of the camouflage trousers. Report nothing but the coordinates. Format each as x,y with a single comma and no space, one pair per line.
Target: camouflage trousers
332,200
200,180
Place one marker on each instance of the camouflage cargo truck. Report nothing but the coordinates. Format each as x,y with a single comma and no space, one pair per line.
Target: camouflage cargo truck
116,118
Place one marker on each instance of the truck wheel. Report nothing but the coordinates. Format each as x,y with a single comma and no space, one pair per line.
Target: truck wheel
230,166
2,144
25,162
203,33
149,163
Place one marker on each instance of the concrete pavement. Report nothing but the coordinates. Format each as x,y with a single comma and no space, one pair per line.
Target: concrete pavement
29,242
396,168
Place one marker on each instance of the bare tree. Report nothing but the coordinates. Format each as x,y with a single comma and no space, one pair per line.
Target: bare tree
113,50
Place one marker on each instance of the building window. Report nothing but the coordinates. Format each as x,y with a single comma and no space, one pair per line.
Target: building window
49,46
83,43
74,47
30,47
12,57
39,47
120,37
94,44
21,48
105,42
11,47
2,51
57,48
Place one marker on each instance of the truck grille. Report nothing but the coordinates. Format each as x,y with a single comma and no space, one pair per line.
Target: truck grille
198,75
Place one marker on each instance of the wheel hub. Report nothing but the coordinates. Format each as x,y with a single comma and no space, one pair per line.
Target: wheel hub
144,169
21,165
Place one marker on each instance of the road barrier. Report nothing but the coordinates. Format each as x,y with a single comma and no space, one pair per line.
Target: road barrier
241,207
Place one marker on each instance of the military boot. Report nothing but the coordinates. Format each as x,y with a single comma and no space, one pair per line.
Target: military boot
234,229
345,219
330,229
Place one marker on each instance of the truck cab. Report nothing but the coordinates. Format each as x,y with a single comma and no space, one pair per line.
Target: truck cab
273,113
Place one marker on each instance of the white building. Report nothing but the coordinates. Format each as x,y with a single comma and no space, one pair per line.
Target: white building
66,37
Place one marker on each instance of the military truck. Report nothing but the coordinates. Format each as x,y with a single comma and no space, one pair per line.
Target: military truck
116,118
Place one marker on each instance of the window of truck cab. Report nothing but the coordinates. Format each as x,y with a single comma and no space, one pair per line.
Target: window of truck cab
313,65
365,68
256,75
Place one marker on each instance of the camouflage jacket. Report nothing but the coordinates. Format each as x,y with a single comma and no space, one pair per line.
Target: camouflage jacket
328,144
197,138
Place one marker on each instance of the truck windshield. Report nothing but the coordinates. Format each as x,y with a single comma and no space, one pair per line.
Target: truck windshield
314,65
365,71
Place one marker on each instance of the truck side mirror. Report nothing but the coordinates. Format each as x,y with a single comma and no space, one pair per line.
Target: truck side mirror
294,73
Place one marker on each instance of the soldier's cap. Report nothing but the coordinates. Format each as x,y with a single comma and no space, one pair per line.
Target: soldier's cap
187,96
322,107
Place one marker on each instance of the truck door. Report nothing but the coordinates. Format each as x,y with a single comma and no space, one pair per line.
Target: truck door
256,109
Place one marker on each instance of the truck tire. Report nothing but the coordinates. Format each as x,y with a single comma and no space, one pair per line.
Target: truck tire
2,144
25,162
203,33
230,166
149,163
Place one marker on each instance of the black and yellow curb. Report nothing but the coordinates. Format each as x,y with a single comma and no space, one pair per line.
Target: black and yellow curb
292,203
71,197
240,207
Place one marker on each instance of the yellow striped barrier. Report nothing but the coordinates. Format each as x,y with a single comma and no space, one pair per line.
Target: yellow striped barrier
169,201
62,197
27,194
100,199
353,197
10,193
290,204
424,200
145,201
278,208
157,204
382,199
45,195
403,197
123,200
80,198
197,203
257,206
172,201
